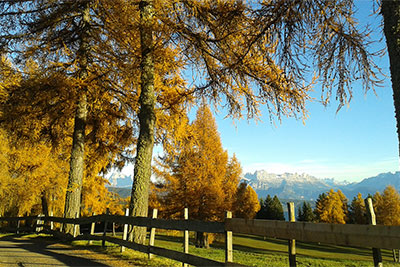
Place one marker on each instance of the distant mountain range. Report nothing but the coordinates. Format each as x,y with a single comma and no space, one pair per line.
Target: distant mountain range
291,185
303,186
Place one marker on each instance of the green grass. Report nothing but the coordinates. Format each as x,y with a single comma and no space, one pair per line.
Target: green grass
255,251
134,257
249,250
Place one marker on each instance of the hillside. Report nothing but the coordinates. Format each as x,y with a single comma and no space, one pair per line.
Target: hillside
373,184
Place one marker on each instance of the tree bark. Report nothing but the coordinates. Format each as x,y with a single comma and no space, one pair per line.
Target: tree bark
142,170
77,165
45,205
391,26
77,162
202,240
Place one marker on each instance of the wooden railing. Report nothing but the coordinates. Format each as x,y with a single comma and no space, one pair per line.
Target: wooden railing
371,236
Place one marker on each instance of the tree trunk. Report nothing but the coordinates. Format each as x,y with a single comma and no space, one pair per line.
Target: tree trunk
77,165
45,205
77,162
391,26
202,240
142,170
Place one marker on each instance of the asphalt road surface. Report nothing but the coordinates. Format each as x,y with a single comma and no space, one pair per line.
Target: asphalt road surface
42,251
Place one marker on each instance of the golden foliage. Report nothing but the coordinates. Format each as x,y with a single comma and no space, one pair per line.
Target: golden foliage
198,174
387,206
33,180
246,203
4,171
36,175
332,208
38,111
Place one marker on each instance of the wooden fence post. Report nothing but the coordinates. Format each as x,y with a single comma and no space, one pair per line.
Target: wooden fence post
292,242
125,233
398,258
394,255
92,228
76,226
186,237
18,225
228,241
152,233
38,224
103,242
51,222
376,252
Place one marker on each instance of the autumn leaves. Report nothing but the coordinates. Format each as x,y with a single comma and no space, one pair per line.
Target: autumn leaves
333,207
196,173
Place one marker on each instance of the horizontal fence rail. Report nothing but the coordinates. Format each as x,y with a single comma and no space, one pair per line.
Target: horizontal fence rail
182,225
378,236
172,254
191,225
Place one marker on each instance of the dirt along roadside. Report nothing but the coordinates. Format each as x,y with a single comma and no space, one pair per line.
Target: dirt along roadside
23,251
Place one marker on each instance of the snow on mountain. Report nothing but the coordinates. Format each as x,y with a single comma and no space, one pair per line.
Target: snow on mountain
288,185
304,186
118,179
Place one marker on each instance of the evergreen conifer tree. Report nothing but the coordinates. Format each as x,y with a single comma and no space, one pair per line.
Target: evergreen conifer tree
319,206
271,209
357,212
277,209
305,213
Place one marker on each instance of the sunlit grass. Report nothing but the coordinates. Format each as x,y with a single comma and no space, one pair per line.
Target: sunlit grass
248,250
134,257
255,251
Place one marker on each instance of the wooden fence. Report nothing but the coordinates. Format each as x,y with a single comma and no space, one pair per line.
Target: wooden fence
370,236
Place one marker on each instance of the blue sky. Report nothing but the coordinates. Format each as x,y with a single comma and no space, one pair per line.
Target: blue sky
359,141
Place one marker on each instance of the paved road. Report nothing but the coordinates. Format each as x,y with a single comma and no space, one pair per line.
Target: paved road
40,251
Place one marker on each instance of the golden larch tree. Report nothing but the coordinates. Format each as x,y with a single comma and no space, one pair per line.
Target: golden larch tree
246,204
38,110
331,209
387,206
198,174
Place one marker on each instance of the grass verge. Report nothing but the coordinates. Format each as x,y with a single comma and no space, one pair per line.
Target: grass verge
248,250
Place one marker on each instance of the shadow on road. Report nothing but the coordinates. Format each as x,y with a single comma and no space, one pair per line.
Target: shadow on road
47,247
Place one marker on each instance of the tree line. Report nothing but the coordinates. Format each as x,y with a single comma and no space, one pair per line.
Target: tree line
334,207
